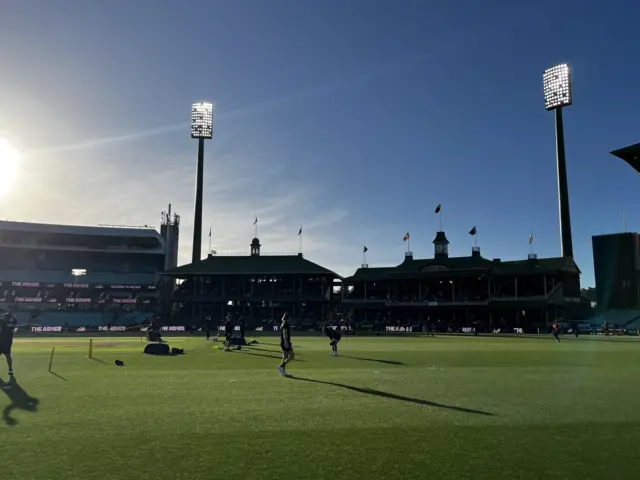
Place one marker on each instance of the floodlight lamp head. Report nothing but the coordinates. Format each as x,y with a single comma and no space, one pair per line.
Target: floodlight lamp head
557,87
202,120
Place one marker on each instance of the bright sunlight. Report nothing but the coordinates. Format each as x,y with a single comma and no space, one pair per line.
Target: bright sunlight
9,164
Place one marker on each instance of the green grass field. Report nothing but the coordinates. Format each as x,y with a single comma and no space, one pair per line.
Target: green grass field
449,407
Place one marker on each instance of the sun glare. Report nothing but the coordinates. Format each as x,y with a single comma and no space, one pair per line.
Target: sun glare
9,164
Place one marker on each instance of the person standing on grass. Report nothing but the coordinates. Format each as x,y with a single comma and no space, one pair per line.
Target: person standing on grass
556,330
285,344
207,326
228,332
7,324
334,337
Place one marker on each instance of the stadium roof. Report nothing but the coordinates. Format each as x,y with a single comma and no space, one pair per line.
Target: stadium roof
631,155
250,265
465,266
78,229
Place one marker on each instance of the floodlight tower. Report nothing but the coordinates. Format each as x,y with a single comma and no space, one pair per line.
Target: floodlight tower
202,129
557,94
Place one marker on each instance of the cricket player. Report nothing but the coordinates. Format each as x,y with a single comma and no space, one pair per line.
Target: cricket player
8,323
334,339
556,330
285,344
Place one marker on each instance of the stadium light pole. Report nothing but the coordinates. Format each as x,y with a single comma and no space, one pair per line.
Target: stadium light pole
202,129
557,95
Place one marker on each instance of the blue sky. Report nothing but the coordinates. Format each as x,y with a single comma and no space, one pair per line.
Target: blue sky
352,118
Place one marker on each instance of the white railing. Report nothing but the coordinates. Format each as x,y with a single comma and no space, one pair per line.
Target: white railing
106,249
247,254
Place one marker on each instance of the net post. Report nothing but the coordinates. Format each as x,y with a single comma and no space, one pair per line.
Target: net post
53,350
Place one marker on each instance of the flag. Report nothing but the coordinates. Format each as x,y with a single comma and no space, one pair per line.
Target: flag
209,232
365,249
531,238
407,237
473,231
300,231
439,207
255,221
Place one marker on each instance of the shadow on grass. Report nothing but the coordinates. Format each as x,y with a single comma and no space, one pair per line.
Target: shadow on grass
296,347
388,362
393,396
59,376
277,357
20,400
97,360
252,348
170,354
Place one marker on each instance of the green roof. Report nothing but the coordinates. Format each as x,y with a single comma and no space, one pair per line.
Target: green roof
250,265
440,238
460,265
372,273
539,265
450,263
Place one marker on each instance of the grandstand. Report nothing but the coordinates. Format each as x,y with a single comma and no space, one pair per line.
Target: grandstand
79,275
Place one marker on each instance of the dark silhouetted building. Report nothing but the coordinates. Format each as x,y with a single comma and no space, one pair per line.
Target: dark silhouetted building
460,293
257,287
616,262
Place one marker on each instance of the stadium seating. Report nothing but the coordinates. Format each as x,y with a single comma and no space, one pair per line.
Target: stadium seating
78,276
59,276
80,319
627,319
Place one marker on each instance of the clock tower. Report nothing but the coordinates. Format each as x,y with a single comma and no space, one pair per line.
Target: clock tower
255,247
441,245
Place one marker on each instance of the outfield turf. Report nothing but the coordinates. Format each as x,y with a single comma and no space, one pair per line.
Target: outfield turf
401,408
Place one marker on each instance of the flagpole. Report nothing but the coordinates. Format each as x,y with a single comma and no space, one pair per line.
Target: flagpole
300,240
624,222
364,257
255,228
209,239
440,219
409,244
531,241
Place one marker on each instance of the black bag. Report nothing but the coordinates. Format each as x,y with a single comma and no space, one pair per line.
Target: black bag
157,349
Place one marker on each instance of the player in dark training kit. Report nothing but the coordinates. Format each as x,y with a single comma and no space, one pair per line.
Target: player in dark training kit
334,338
228,332
285,344
7,324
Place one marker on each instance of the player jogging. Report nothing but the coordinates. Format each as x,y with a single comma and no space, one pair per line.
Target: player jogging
228,332
285,345
7,324
556,330
334,338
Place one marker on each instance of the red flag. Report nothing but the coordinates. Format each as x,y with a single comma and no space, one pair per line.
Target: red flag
407,237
